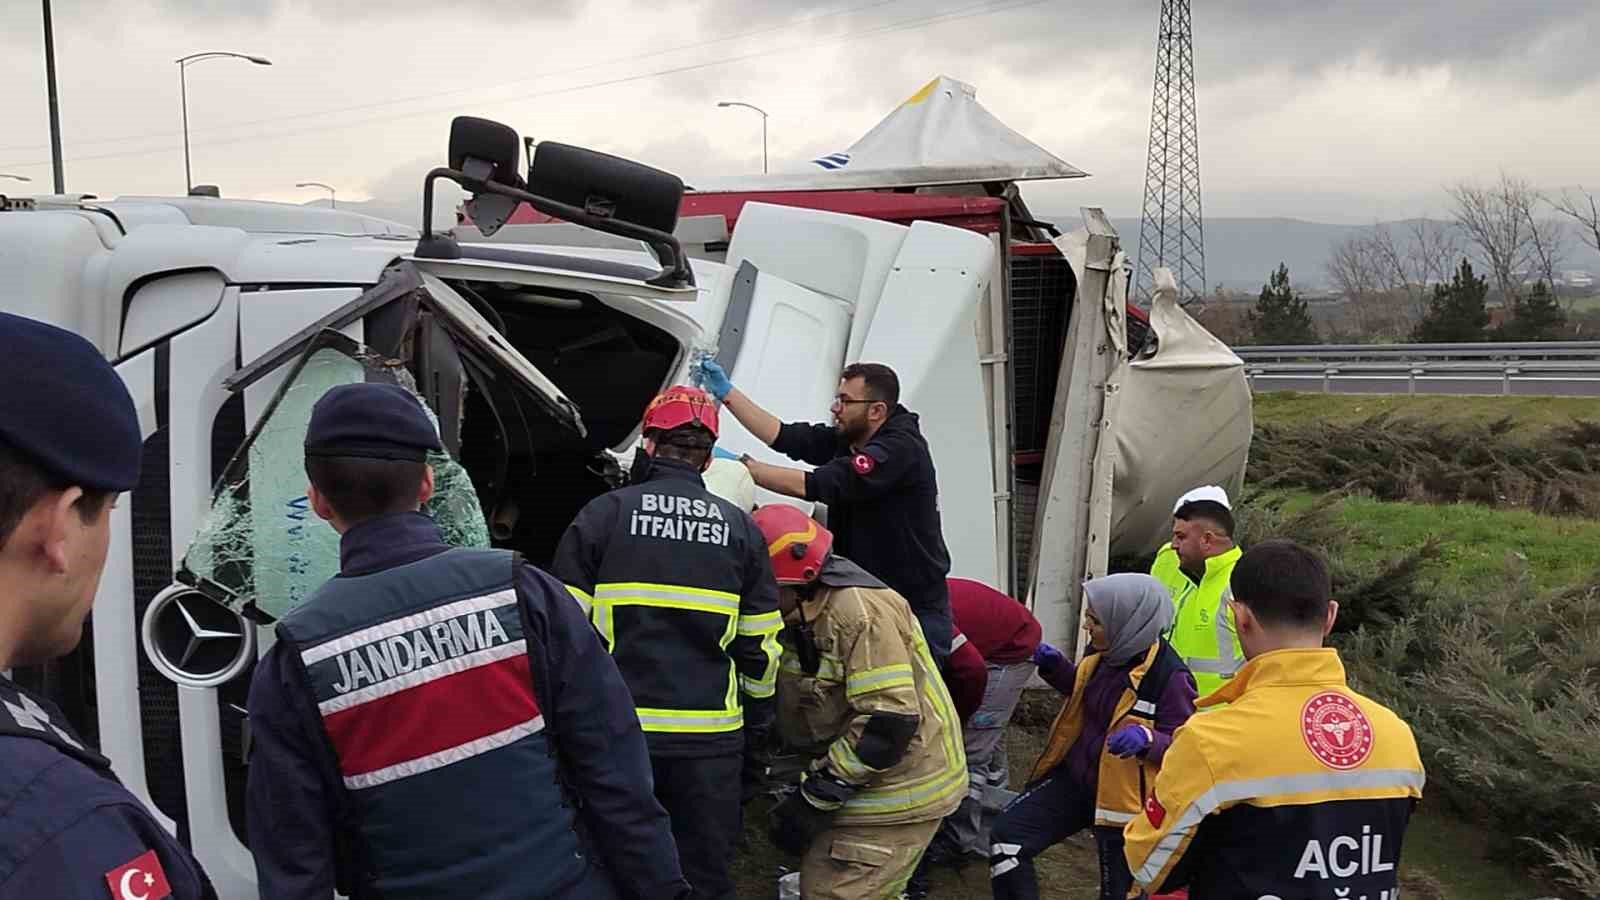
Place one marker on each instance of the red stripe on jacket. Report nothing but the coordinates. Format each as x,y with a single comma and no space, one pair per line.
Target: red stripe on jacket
434,716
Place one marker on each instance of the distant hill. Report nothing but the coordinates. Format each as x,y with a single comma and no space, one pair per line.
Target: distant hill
1241,253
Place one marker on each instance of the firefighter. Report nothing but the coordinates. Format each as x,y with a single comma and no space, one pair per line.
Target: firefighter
1195,568
439,722
1299,786
876,476
859,691
678,584
1125,699
70,442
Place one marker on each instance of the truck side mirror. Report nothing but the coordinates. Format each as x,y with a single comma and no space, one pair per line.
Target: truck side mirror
606,186
485,151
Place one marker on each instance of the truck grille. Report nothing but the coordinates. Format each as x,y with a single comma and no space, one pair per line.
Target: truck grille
151,511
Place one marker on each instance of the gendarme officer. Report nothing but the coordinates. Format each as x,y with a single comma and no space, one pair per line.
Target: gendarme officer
69,444
439,722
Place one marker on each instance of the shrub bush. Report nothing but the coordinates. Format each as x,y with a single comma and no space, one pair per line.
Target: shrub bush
1500,684
1405,459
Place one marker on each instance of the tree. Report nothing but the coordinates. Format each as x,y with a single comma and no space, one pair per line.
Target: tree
1457,313
1357,268
1538,317
1280,316
1583,208
1547,248
1495,220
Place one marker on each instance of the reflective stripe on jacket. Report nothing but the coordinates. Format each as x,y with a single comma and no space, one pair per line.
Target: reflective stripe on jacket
1202,631
873,659
1298,787
1122,784
679,586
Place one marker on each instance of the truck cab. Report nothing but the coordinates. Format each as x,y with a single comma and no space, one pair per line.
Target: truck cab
227,319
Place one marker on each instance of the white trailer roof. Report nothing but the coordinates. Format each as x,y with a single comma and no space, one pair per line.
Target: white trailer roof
940,135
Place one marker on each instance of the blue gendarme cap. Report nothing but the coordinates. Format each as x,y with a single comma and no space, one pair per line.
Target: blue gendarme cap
371,421
63,406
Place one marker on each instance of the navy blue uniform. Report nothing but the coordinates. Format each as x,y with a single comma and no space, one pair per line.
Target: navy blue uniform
66,823
883,510
680,587
301,807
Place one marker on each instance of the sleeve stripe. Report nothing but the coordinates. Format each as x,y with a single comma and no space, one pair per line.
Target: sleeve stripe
880,679
584,600
760,624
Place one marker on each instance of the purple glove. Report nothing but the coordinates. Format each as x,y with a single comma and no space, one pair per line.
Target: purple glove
1130,740
1047,658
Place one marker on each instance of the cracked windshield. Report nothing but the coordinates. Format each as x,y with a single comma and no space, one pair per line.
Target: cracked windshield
261,544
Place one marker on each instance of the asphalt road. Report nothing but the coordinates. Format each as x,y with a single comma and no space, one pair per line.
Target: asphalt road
1547,386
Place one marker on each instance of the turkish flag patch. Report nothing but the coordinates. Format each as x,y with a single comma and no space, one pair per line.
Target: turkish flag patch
141,878
863,464
1154,811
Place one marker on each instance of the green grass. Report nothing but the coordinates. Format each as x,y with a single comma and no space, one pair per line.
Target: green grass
1532,415
1477,542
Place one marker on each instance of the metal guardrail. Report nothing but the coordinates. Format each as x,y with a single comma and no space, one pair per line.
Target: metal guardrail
1532,350
1506,373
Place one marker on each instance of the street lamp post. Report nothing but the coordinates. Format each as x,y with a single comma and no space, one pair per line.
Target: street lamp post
183,93
55,104
332,197
727,103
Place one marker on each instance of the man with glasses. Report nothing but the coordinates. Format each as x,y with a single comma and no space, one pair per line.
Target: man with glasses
876,476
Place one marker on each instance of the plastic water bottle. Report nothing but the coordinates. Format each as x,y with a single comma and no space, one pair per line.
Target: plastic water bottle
698,354
789,886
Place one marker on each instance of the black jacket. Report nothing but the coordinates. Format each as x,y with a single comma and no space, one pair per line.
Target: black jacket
883,502
681,590
297,800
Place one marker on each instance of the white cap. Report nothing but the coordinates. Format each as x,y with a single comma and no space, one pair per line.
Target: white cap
1208,492
730,480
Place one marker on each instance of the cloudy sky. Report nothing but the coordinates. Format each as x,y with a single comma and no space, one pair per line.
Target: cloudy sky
1342,111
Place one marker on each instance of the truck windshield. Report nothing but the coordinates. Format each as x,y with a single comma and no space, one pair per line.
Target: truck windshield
261,550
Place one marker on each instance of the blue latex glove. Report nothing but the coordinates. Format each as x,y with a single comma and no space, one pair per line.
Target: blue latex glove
1047,658
1130,740
720,453
711,377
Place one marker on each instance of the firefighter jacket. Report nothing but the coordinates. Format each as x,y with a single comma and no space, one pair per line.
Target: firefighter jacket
1122,784
678,583
1202,631
439,722
1299,787
871,658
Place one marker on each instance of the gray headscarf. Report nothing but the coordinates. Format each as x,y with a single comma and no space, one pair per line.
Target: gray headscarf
1135,609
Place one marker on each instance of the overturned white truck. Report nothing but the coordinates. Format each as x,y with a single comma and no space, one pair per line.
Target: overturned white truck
227,319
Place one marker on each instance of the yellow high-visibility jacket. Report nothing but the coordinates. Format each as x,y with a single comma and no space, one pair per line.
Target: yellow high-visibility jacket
1202,630
1299,787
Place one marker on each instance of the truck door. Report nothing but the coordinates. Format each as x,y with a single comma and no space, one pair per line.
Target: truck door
925,329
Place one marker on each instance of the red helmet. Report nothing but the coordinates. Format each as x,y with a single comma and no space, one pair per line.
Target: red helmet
797,544
681,405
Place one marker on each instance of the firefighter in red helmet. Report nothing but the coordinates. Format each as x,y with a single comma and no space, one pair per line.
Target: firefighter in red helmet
858,691
677,582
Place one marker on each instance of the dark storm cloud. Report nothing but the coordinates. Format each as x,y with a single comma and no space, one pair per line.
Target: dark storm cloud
1546,46
20,20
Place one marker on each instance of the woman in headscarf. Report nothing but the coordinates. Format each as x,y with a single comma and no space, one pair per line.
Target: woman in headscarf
1124,700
